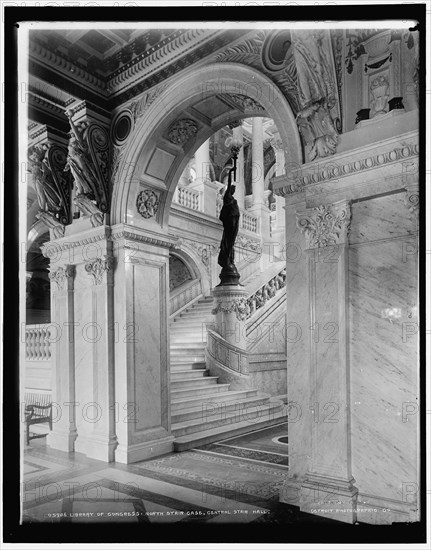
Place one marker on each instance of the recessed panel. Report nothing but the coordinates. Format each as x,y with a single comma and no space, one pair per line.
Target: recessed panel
211,107
159,164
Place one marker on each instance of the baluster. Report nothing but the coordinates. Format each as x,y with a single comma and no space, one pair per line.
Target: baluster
27,343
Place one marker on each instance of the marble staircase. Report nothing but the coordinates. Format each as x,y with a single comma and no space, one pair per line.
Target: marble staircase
202,409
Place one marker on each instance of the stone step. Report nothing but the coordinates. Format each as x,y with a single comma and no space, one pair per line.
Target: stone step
185,359
180,404
207,422
192,346
197,439
187,339
199,392
187,365
214,409
182,374
194,383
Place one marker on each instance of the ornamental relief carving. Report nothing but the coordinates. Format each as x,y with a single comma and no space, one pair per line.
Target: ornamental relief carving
411,198
98,268
203,251
147,203
325,225
182,131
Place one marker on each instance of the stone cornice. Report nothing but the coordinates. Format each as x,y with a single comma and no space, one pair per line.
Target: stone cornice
369,159
145,65
66,67
137,235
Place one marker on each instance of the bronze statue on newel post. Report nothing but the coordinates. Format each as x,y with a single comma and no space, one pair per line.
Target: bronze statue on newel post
229,216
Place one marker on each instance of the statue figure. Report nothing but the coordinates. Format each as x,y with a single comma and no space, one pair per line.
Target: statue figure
48,197
79,163
229,216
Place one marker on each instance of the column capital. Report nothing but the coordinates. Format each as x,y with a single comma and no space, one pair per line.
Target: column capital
98,268
61,274
325,225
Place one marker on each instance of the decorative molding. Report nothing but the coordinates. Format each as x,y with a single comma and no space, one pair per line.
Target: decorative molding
147,203
60,275
204,251
309,174
229,356
182,131
266,292
98,268
411,198
246,103
325,225
55,249
139,106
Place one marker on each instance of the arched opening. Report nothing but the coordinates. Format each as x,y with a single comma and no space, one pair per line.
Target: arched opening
180,120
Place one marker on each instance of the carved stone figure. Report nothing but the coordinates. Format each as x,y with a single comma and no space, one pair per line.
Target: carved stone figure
79,162
379,92
317,91
48,197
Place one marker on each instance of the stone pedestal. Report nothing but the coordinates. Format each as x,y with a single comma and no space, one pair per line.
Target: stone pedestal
230,314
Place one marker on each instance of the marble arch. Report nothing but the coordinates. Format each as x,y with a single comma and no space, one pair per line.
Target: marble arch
198,94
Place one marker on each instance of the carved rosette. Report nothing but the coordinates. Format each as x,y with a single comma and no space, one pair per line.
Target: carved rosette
98,268
59,275
411,198
325,225
182,131
147,203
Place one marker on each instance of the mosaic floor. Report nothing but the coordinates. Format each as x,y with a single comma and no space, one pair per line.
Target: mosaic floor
233,481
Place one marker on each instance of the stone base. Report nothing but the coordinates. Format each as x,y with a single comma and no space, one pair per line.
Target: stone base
62,441
290,491
229,276
329,497
143,451
99,447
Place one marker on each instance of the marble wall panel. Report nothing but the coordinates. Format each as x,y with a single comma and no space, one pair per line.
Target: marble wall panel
383,348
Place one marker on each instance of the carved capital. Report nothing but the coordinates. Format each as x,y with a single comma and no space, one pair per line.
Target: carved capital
98,268
59,275
325,225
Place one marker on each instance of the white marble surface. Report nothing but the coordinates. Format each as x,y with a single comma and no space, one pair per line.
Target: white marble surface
384,362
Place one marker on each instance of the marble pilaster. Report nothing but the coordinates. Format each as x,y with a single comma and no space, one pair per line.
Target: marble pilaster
63,434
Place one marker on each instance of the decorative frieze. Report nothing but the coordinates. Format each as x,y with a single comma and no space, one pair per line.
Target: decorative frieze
246,103
182,131
98,268
325,225
147,203
204,251
301,176
59,275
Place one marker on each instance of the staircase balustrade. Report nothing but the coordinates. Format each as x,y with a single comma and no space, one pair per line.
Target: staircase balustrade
37,343
185,294
226,354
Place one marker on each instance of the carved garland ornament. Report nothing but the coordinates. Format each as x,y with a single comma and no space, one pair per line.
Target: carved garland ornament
147,203
182,131
325,225
238,306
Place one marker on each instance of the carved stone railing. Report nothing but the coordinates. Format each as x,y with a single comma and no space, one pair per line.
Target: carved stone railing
190,198
249,222
226,354
181,297
37,343
265,293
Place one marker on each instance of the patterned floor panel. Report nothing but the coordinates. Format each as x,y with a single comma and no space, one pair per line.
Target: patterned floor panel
234,481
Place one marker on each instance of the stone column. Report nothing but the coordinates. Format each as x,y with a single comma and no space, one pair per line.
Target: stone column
142,377
258,181
203,164
62,338
328,484
238,134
